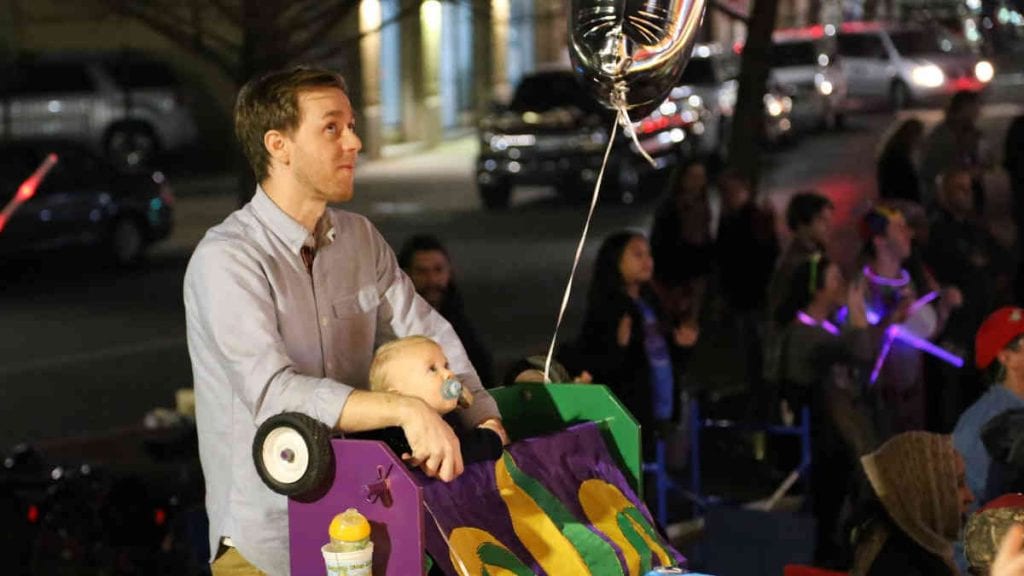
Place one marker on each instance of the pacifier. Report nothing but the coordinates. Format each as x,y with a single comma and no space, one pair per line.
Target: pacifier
452,389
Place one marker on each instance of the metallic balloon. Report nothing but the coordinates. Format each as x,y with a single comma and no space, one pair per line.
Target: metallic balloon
633,51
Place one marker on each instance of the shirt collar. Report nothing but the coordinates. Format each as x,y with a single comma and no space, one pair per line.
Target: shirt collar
293,234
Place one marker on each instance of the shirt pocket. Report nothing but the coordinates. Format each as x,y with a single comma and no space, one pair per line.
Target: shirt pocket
363,302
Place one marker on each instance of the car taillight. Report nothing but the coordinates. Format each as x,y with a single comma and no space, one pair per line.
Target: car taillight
159,516
33,514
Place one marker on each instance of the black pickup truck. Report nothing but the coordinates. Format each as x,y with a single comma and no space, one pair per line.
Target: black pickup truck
555,133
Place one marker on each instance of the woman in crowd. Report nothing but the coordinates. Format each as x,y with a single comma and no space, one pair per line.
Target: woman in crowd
915,507
681,243
897,170
626,341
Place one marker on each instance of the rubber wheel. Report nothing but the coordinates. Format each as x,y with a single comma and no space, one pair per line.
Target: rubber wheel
496,196
293,456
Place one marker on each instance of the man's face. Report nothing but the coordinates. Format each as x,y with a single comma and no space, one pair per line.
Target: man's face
1012,358
323,149
431,274
420,370
821,226
897,238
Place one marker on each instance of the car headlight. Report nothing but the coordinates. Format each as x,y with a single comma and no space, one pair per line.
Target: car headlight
772,105
695,101
825,87
984,71
929,76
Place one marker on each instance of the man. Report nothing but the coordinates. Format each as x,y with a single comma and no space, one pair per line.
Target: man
284,301
897,375
809,218
427,263
998,352
956,142
962,252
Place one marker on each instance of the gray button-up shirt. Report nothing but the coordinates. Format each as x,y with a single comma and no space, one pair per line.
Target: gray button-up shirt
265,337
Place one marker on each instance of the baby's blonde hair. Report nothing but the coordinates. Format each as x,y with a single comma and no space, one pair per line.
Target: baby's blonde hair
385,354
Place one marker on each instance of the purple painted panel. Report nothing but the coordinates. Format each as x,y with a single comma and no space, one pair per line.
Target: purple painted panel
397,523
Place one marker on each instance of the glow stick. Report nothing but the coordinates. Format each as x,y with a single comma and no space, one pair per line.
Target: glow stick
27,189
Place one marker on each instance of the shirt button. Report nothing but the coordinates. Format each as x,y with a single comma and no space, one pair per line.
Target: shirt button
323,320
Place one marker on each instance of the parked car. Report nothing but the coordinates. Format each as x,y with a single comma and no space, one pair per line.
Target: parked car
81,201
555,133
710,83
803,62
126,106
905,65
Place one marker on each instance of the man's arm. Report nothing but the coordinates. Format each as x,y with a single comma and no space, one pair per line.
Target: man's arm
435,448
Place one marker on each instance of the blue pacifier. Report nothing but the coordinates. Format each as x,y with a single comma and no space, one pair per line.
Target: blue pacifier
451,389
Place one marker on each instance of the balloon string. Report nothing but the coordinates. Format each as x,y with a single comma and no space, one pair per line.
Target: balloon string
454,552
579,247
624,114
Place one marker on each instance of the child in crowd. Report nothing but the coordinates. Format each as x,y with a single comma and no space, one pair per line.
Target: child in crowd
627,341
417,366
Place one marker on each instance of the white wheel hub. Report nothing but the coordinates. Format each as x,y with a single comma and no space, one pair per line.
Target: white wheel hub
285,455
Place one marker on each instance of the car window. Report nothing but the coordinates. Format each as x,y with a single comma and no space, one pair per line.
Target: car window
53,78
699,71
803,53
136,73
915,42
544,92
861,46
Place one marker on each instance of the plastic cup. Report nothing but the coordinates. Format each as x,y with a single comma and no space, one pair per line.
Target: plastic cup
354,563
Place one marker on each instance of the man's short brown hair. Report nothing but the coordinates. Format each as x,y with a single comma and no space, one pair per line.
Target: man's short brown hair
271,102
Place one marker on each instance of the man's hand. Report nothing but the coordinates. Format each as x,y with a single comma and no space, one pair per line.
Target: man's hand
625,331
435,449
494,425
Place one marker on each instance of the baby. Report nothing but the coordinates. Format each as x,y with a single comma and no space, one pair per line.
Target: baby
417,366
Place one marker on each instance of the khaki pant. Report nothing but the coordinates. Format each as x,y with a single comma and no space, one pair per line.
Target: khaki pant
230,563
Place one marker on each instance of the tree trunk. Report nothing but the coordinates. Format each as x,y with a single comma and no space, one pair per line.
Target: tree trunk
747,133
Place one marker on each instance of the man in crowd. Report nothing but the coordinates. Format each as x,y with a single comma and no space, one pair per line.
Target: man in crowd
962,252
999,353
809,218
425,259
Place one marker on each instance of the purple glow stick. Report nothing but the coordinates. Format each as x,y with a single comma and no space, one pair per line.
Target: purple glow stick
807,320
929,348
890,336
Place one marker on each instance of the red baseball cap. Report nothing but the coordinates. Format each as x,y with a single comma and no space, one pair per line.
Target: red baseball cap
998,330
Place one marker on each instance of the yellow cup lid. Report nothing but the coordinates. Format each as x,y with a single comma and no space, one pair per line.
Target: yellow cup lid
349,526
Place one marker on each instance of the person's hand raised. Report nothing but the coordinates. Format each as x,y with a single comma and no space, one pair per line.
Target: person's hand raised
435,449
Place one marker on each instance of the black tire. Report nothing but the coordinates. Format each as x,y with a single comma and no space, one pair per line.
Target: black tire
131,145
293,456
899,96
496,196
127,242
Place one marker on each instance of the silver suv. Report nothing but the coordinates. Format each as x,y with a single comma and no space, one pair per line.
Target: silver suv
803,63
123,105
902,65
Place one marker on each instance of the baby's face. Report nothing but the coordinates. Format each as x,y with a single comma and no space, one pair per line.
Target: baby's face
421,371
